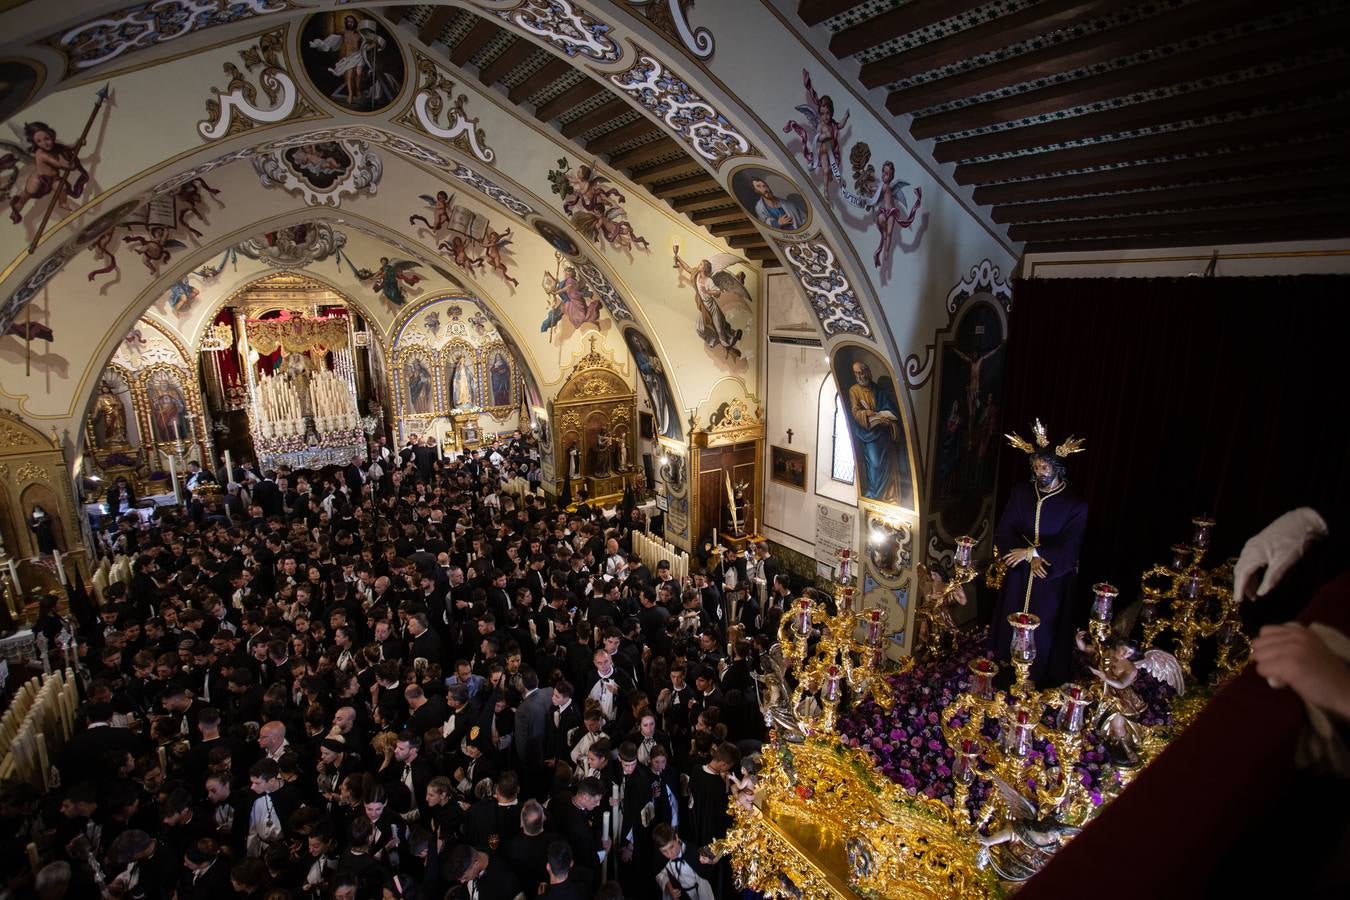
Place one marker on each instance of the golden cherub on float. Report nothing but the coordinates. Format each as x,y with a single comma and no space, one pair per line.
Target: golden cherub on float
1029,768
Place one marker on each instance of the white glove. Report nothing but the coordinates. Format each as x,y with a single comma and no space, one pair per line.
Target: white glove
1276,548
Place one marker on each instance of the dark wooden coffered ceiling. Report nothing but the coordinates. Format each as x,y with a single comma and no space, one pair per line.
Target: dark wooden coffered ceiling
586,111
1091,124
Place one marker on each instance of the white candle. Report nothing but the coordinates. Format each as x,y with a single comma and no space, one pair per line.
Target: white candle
14,577
60,569
229,468
175,430
173,480
604,828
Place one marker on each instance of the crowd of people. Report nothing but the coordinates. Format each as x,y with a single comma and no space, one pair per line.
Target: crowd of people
405,678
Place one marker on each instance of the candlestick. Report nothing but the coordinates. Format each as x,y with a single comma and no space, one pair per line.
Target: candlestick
964,545
832,684
1103,597
173,480
803,623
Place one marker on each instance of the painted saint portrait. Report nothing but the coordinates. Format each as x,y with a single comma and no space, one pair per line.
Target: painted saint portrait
876,425
322,164
168,408
459,375
417,384
19,82
556,238
499,378
353,60
770,198
969,394
654,379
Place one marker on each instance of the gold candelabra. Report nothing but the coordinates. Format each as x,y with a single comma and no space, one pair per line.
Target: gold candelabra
839,659
1199,603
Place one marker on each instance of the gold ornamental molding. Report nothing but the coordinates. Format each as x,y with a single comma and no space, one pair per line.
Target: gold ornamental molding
32,472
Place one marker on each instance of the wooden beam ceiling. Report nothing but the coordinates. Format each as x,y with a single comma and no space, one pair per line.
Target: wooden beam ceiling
1100,123
683,181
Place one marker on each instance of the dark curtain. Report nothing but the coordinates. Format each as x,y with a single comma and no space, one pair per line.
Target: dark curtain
1195,395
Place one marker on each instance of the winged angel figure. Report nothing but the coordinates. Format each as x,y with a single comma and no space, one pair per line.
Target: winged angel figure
391,277
713,286
884,196
1019,849
1121,706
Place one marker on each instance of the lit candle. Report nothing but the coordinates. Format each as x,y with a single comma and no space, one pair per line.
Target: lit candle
874,629
1073,710
964,545
1023,647
982,672
832,684
1203,528
60,569
1104,595
1022,745
803,615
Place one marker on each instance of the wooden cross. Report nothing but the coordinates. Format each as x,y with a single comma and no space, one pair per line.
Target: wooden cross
789,434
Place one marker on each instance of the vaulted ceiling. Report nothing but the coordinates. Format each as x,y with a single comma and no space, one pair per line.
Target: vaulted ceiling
584,110
1091,124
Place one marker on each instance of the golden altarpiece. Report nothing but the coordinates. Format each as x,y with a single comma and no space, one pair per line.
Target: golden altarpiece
34,478
592,418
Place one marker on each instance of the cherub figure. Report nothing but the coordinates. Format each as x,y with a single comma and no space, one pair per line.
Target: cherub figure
191,199
883,196
458,248
820,134
441,205
154,248
595,209
934,621
53,166
1120,708
1019,849
494,243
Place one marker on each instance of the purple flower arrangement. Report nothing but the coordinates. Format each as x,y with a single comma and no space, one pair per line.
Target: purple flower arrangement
907,745
906,742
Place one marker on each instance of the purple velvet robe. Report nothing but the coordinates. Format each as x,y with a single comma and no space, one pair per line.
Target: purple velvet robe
1063,521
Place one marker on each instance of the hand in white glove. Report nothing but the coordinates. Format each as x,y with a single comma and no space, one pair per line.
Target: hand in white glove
1276,548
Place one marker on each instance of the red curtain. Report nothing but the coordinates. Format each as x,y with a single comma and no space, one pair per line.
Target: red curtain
1195,395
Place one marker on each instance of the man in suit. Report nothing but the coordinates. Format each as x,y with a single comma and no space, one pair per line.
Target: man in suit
101,737
267,495
425,713
532,719
561,720
423,643
411,772
207,873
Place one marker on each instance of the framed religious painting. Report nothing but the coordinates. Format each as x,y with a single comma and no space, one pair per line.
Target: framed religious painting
787,467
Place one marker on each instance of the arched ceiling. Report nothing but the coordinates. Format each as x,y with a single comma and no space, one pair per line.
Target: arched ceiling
502,105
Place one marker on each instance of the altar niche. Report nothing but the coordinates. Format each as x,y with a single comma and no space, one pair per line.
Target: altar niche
725,475
593,419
